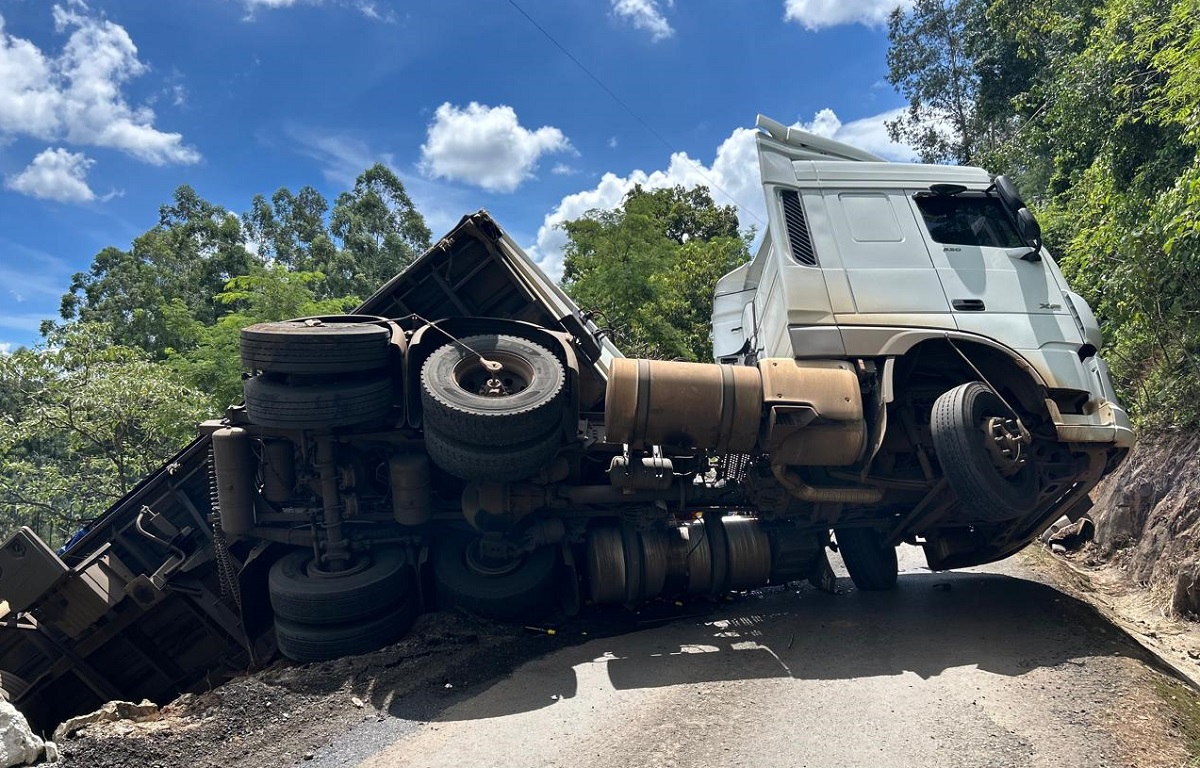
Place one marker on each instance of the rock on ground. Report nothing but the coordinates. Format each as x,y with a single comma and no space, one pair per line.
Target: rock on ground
111,712
18,744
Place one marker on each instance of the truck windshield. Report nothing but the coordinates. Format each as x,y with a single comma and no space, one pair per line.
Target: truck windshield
968,220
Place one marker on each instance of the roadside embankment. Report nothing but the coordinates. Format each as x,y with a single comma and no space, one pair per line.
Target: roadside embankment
1147,517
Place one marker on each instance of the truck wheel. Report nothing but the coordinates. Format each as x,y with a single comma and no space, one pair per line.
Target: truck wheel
321,642
491,463
871,563
315,347
521,589
299,593
461,397
317,406
989,487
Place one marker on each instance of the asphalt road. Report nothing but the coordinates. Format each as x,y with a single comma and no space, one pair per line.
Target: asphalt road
981,668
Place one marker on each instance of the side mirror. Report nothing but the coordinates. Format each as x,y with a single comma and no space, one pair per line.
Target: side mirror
1031,232
1009,195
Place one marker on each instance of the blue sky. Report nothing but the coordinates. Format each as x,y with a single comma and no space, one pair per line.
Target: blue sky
106,107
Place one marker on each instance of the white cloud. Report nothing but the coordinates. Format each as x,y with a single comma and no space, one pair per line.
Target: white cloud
76,96
645,15
55,174
816,14
562,169
343,157
733,179
6,347
869,133
486,146
367,8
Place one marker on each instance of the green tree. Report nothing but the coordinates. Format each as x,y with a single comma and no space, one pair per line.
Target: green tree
187,258
931,62
648,269
380,230
212,362
1125,195
84,421
291,229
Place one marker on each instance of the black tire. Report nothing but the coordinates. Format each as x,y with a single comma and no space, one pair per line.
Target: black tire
306,347
524,594
452,405
321,642
317,406
496,464
985,493
872,564
300,597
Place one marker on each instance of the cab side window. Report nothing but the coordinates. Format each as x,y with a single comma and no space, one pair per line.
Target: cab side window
968,220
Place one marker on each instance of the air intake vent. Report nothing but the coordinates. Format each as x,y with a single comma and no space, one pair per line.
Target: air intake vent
797,226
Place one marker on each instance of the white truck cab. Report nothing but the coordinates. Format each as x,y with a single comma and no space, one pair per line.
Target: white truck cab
867,259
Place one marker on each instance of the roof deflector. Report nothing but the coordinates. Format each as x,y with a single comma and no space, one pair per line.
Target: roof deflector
812,146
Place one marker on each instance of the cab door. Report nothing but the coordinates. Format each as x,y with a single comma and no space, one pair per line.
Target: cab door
994,285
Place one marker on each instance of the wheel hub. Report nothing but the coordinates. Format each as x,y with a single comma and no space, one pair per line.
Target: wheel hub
1006,442
494,388
314,569
491,558
498,375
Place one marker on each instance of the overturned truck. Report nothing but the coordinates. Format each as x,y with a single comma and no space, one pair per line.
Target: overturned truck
901,361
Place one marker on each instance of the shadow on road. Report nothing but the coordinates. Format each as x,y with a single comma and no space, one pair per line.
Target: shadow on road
930,623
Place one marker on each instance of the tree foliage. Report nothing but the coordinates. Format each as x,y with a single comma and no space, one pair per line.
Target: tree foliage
381,233
648,269
191,253
930,63
85,420
211,362
1094,107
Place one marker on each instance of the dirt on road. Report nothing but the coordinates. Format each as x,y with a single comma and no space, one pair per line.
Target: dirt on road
287,711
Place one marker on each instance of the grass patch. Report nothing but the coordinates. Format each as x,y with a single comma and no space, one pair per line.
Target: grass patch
1183,705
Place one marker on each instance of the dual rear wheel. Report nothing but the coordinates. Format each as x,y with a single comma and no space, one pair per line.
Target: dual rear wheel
321,614
493,407
318,373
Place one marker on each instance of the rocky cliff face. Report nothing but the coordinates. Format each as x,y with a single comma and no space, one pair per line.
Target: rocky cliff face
1147,517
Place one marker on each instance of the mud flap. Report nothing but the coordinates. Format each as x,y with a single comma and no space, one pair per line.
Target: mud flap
569,596
822,576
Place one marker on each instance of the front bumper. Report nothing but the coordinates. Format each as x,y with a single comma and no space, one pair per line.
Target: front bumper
1103,419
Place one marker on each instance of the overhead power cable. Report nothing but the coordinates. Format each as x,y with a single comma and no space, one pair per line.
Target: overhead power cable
649,129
